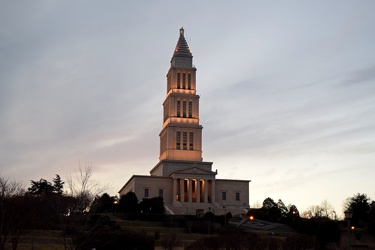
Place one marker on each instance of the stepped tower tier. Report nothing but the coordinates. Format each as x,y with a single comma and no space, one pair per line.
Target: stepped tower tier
181,134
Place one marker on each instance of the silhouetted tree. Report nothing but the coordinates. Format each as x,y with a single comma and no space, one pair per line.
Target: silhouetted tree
11,222
103,204
83,188
58,185
152,206
327,210
271,209
128,203
372,217
40,188
360,206
313,211
210,216
283,209
293,211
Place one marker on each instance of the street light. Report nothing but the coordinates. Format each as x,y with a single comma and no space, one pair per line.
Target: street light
115,203
348,215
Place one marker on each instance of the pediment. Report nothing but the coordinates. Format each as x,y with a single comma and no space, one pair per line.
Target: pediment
194,170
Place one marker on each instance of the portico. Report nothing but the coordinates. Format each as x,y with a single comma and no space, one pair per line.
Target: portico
193,190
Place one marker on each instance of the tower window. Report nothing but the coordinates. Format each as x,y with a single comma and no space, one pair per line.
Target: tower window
191,137
146,192
178,108
184,140
189,81
183,81
161,192
178,80
223,196
190,109
178,138
184,108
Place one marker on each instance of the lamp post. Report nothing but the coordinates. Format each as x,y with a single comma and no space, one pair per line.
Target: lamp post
115,203
225,216
348,215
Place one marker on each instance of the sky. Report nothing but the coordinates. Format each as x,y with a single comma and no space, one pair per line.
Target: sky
287,91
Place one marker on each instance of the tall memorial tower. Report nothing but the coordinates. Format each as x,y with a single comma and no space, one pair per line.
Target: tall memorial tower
181,135
186,182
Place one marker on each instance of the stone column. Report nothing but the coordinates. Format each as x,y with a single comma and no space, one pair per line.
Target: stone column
182,196
205,191
174,192
213,192
198,191
190,185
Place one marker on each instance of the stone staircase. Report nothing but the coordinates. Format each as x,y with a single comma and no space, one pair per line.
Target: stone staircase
182,208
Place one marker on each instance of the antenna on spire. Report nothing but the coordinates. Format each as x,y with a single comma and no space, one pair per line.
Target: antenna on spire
182,31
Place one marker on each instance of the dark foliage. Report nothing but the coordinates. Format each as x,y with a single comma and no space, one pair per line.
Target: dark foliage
170,240
119,240
229,238
103,204
207,243
209,216
43,187
328,232
372,217
360,207
128,204
58,185
152,206
271,209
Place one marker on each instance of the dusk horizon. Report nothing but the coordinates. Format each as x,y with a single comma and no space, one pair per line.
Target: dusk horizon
287,92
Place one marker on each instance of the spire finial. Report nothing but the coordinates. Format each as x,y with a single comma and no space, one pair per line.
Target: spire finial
182,31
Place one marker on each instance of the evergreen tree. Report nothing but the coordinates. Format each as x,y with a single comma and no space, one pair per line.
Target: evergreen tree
283,209
40,188
129,203
360,206
58,185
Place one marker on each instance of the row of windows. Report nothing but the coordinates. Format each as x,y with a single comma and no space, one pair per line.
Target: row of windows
147,193
184,140
224,196
184,86
190,109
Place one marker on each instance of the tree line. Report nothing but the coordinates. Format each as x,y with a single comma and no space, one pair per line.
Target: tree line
66,207
79,209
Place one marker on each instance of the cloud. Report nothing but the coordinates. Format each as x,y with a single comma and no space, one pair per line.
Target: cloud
360,76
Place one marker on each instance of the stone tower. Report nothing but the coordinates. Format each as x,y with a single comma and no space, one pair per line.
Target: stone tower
186,183
181,135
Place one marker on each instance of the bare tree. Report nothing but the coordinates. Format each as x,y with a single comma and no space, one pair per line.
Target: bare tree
257,204
10,224
327,210
83,188
312,211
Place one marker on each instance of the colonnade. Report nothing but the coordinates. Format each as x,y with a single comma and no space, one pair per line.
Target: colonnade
194,190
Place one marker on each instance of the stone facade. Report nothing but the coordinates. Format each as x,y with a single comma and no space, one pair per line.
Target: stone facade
181,177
